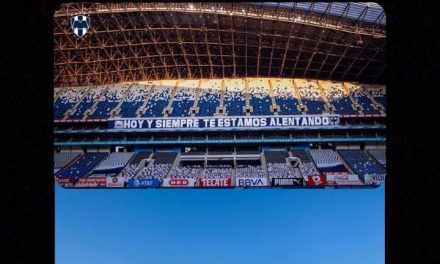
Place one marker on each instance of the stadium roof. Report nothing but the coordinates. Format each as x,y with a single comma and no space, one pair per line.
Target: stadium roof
150,41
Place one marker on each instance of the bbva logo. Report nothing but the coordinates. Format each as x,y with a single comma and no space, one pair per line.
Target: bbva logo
80,25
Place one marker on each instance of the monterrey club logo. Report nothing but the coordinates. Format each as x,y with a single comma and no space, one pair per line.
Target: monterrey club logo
80,25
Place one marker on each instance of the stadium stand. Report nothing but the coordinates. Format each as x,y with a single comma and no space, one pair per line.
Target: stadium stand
186,172
218,172
379,155
134,100
63,159
285,98
67,99
234,97
359,161
249,171
378,92
259,97
159,99
210,98
277,166
327,160
310,96
109,101
184,98
114,161
361,98
159,168
131,169
338,98
83,165
91,97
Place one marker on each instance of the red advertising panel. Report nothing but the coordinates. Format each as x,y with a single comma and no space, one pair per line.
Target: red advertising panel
215,182
316,180
92,182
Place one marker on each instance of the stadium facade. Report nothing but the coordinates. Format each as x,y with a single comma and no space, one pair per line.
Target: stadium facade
220,95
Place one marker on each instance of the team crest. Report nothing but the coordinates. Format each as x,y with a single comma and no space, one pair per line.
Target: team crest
80,25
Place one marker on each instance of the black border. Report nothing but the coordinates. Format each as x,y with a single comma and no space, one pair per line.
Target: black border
27,205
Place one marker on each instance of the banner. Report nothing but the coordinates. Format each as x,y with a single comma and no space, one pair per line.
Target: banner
114,182
374,179
316,180
215,182
343,179
66,182
92,182
288,181
218,123
179,182
143,183
254,182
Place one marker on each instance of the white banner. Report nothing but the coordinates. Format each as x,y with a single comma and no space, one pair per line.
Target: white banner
374,179
179,182
218,123
115,182
343,179
246,182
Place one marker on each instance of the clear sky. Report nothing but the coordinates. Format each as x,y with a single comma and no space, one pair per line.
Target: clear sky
220,226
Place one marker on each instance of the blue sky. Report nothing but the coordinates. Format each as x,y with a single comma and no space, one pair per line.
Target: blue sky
220,226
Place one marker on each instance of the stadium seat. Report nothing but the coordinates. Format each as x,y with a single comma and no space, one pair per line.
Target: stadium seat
64,158
210,97
327,160
259,97
83,165
234,98
379,155
91,97
109,101
359,161
285,98
133,101
67,99
310,96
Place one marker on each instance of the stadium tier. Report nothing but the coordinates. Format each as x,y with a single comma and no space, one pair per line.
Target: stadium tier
361,163
63,159
167,167
327,160
178,97
379,155
83,166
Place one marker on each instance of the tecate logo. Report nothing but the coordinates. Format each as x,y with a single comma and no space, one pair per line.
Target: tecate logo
179,182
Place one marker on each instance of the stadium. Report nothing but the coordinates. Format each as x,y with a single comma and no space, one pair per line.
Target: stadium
220,95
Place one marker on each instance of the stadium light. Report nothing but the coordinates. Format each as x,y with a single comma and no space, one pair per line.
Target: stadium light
191,6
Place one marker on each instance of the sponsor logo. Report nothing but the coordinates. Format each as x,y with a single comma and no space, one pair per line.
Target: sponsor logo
245,182
316,180
143,183
288,181
179,182
119,124
374,178
343,179
92,182
215,182
115,182
80,25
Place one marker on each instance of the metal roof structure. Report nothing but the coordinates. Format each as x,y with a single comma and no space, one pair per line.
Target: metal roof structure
130,42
